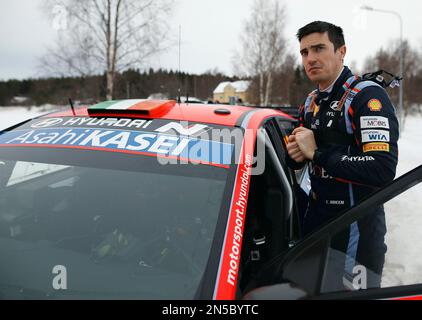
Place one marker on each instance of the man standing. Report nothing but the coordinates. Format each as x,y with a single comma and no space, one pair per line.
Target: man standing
348,132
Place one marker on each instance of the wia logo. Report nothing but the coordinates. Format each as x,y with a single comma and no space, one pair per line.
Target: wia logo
375,135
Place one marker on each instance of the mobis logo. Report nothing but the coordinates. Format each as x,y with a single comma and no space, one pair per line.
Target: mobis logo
374,122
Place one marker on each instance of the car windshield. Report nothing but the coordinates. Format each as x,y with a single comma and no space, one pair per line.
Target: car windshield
88,224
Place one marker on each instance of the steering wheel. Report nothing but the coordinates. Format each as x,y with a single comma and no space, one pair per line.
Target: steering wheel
165,251
162,250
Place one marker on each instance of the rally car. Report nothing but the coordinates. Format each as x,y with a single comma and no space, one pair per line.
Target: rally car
149,199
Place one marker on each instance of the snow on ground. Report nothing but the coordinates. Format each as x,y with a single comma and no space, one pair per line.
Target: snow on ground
403,214
13,115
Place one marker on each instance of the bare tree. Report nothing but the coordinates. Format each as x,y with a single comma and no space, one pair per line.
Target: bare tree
263,45
389,59
106,36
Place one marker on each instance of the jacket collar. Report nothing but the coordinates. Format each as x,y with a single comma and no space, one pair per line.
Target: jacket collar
338,84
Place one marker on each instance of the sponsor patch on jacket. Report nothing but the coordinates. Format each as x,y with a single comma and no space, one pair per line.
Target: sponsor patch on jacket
316,110
358,158
137,142
335,202
335,106
376,146
374,122
375,135
375,105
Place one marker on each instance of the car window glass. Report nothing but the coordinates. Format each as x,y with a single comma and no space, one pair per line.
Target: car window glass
119,233
29,170
266,230
358,257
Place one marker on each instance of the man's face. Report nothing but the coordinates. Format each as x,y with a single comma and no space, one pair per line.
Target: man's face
322,64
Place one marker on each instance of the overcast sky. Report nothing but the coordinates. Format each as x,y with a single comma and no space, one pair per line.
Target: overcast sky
211,28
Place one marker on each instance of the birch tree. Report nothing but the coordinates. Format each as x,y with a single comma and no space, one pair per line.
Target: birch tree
263,45
106,36
388,59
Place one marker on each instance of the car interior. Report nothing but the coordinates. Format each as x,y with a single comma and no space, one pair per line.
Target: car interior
269,215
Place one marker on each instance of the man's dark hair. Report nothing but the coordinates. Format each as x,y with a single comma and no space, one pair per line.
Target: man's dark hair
335,34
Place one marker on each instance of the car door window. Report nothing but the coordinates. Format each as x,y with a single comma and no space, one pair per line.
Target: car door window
343,258
404,232
270,204
359,259
278,131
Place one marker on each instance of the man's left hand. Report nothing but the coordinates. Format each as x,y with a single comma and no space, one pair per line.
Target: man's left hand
306,141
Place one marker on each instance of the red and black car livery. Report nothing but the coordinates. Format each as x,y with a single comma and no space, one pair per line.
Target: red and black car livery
157,200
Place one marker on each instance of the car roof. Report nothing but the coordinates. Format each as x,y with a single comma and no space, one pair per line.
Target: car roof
225,115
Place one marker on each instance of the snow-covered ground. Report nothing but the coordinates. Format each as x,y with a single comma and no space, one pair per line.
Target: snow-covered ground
13,115
404,213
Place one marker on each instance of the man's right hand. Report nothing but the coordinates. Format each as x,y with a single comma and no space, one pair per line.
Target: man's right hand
294,151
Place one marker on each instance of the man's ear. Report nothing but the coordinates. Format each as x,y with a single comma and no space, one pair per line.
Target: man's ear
342,50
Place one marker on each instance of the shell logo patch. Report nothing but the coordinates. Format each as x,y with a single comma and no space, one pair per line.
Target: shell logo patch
374,105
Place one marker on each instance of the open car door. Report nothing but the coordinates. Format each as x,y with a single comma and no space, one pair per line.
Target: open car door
314,269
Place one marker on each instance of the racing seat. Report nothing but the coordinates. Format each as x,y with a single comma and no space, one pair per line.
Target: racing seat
274,207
